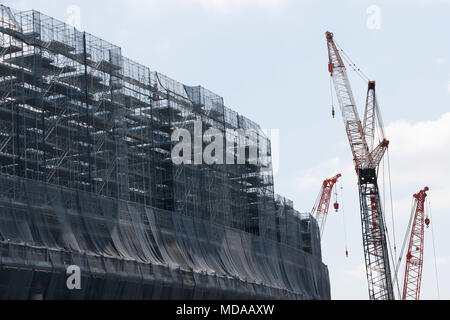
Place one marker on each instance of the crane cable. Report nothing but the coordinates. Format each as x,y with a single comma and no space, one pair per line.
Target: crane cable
386,231
343,218
405,240
352,64
392,257
392,203
390,250
333,112
434,248
355,68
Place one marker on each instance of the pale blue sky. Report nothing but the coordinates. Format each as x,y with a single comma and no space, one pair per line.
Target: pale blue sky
268,59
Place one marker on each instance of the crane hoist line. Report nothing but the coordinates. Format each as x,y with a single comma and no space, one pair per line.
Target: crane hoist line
367,157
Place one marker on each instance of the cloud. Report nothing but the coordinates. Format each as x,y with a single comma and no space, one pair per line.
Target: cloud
229,5
442,260
432,2
314,177
216,6
18,4
145,4
358,272
420,156
440,61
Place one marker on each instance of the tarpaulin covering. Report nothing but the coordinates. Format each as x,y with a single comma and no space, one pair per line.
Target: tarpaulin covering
131,251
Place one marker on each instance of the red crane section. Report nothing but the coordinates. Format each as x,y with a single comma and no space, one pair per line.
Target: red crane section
320,209
368,151
414,256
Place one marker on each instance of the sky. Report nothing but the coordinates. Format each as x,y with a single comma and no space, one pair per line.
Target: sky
268,59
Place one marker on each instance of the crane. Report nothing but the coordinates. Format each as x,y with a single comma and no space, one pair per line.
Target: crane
320,209
366,158
414,256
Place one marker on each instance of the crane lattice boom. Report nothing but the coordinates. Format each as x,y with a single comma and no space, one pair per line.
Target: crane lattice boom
320,209
346,101
414,256
366,158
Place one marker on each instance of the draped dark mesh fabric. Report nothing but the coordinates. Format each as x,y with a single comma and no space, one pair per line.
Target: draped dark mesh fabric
87,179
130,251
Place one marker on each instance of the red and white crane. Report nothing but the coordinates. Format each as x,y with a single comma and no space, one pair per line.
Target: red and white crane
366,158
320,209
414,255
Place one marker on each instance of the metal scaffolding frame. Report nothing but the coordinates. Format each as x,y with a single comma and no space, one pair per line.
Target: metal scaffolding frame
76,113
87,178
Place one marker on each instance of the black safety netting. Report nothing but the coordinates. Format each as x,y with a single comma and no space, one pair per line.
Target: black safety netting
131,251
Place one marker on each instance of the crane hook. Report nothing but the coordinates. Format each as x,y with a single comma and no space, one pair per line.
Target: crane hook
427,222
333,113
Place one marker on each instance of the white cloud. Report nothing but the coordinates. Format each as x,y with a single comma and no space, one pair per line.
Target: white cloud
420,156
358,272
219,6
419,139
229,5
440,61
433,2
17,4
145,4
442,260
314,177
163,46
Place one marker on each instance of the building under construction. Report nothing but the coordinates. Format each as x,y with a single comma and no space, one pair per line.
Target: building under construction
87,179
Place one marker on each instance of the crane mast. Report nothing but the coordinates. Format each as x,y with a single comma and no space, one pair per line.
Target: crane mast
414,256
320,209
366,159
